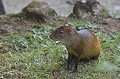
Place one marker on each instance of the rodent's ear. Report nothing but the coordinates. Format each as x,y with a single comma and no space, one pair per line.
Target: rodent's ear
68,28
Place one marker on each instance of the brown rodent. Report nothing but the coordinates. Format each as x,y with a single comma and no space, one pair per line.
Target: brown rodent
80,44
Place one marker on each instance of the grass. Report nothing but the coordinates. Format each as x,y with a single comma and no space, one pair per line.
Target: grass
32,55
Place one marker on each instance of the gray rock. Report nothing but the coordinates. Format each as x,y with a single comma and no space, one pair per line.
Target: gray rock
87,8
39,11
90,10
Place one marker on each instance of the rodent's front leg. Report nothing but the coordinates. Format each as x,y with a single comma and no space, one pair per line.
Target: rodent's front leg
70,57
77,59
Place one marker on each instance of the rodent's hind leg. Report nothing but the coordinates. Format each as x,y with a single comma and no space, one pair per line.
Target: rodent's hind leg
95,57
70,58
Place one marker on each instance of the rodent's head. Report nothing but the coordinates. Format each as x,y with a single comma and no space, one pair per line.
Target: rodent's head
61,33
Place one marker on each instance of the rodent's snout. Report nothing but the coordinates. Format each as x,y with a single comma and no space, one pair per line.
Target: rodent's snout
51,36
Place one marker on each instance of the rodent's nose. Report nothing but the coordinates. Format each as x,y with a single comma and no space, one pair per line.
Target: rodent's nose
51,36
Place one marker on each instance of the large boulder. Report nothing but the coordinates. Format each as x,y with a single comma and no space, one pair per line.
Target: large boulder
39,11
90,10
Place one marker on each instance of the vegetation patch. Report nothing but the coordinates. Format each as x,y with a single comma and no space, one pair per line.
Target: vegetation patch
32,55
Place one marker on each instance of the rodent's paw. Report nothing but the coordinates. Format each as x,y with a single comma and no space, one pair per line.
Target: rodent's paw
69,69
75,71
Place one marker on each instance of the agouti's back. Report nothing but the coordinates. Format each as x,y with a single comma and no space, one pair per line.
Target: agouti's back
80,44
90,44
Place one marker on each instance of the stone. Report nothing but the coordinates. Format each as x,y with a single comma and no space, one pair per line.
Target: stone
89,10
39,11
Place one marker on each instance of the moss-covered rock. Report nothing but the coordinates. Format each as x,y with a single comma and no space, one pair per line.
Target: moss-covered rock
39,11
90,10
87,8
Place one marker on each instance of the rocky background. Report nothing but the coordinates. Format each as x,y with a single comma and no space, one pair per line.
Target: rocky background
23,14
62,7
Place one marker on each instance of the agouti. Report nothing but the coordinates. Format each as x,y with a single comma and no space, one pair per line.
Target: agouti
80,44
